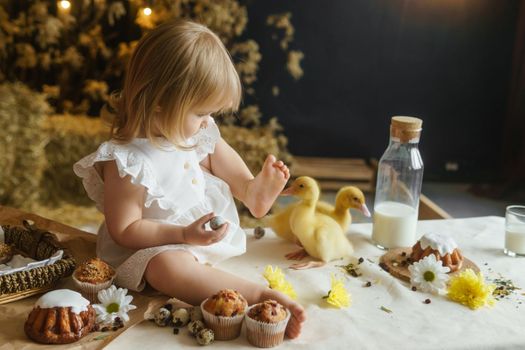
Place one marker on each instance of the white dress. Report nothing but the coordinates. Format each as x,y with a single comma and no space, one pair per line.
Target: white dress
177,192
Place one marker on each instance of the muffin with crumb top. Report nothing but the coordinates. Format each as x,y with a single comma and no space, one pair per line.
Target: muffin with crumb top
223,312
266,324
92,276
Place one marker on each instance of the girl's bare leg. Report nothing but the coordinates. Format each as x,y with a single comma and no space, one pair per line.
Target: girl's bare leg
177,274
258,193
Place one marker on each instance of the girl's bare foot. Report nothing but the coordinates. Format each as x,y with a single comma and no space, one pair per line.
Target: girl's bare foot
262,191
293,330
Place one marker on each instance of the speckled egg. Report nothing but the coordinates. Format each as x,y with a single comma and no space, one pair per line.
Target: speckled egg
194,327
258,232
216,222
196,313
180,317
162,317
205,337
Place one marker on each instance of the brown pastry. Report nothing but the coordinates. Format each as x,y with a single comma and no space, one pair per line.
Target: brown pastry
226,303
266,324
223,313
53,322
92,276
6,253
443,247
268,311
94,271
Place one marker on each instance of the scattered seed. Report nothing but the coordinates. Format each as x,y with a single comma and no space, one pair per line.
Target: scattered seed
404,254
395,263
427,301
175,331
387,310
360,260
368,284
504,288
414,289
351,270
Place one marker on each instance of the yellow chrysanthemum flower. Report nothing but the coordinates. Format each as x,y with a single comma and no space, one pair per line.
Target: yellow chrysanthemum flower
275,278
338,296
469,289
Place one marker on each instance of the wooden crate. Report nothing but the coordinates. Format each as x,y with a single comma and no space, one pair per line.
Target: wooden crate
428,210
334,173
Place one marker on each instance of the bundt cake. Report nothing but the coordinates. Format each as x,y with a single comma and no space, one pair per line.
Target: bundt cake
443,247
59,317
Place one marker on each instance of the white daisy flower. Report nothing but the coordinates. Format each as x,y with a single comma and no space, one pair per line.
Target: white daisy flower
115,303
429,275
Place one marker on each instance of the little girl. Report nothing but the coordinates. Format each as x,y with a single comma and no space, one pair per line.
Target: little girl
166,172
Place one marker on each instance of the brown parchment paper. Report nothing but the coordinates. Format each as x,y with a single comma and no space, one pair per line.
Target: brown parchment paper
82,245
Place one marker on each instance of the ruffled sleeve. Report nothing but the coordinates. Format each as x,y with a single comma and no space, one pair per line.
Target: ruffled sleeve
206,139
130,161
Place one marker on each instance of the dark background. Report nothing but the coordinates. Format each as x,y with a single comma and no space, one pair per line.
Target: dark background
445,61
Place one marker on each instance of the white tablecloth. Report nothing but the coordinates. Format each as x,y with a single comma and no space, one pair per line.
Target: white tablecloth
443,324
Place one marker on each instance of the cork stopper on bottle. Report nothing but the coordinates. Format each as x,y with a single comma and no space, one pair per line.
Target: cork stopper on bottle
405,128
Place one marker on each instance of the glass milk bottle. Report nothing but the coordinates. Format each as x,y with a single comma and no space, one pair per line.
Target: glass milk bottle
399,178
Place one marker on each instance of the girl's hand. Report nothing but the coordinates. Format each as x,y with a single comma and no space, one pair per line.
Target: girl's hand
197,235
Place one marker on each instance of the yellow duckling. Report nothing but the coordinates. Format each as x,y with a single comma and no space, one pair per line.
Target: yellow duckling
348,197
320,235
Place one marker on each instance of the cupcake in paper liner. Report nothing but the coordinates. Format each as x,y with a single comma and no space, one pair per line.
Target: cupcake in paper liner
92,276
266,324
223,313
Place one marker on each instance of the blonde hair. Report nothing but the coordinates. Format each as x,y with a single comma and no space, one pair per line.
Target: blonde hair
176,67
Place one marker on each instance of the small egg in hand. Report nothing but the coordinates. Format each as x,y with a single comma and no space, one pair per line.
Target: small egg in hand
216,222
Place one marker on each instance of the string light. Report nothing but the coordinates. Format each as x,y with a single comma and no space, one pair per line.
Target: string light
147,11
65,4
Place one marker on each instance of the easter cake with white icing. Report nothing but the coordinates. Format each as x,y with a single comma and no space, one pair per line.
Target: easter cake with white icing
59,317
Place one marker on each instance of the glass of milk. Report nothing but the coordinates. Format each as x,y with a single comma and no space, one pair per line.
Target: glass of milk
515,230
399,178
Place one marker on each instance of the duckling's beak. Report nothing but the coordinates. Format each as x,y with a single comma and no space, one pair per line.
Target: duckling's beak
288,192
364,210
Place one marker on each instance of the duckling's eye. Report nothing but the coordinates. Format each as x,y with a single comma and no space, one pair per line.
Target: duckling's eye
301,185
355,198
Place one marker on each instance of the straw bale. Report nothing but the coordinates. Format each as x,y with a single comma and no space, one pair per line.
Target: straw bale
22,159
70,139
